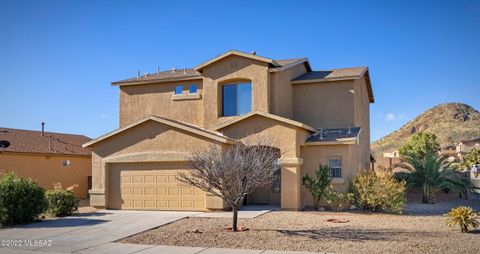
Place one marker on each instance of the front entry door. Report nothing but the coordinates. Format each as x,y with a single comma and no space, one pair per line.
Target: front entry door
260,195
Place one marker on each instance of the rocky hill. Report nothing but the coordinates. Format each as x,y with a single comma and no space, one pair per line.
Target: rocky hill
451,122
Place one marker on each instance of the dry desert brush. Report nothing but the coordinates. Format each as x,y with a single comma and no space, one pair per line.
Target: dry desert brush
232,172
378,192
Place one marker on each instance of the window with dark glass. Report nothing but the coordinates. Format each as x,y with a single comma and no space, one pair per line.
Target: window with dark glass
236,99
276,179
193,89
335,168
178,89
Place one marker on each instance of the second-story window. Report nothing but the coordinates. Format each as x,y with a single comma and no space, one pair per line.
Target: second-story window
193,89
178,89
236,99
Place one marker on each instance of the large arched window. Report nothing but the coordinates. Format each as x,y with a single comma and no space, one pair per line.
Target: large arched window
236,98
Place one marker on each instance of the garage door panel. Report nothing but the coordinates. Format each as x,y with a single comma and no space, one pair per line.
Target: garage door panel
152,189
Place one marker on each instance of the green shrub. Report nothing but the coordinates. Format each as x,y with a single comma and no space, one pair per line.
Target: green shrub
21,200
378,192
318,184
61,202
464,216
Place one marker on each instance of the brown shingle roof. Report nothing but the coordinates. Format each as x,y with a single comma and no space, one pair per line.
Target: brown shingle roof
180,74
284,62
333,74
171,75
26,141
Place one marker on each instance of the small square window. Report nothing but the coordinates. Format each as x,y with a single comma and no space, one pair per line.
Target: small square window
178,89
335,168
193,89
66,163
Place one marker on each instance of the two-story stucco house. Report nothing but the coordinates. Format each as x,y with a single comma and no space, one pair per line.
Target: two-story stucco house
315,117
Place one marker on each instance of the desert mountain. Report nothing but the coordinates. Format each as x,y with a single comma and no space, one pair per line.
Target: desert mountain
451,122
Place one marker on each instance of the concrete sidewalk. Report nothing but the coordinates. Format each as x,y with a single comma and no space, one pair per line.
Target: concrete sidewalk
122,248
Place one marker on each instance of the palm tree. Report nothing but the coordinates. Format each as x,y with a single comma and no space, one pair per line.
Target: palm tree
432,173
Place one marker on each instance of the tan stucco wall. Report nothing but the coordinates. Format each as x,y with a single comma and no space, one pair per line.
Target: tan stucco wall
281,96
48,170
283,136
362,119
313,156
139,101
148,138
231,69
325,104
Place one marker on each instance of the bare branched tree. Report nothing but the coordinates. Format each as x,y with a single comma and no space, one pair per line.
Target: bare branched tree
232,172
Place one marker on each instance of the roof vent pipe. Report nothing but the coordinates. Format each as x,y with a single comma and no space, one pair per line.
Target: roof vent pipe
158,70
184,70
43,129
349,130
321,134
138,74
174,69
254,53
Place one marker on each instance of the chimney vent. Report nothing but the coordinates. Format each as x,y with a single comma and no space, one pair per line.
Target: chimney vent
43,129
138,74
174,69
184,70
158,70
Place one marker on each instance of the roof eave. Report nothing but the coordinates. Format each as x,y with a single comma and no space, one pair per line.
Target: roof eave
342,141
47,154
204,133
154,81
369,86
306,81
293,64
268,115
238,53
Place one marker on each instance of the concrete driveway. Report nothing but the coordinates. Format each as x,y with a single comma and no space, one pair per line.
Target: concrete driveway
85,231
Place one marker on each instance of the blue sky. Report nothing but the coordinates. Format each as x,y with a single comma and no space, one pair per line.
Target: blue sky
57,58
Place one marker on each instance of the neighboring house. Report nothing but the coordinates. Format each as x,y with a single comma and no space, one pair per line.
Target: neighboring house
313,117
53,160
387,162
465,146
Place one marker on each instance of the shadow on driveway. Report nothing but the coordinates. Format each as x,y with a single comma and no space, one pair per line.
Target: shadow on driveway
64,222
93,214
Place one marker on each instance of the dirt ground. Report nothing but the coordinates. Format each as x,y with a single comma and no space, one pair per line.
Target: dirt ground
421,230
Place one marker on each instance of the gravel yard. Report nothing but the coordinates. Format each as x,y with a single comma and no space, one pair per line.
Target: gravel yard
310,231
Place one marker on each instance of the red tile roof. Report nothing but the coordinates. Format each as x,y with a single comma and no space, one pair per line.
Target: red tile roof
26,141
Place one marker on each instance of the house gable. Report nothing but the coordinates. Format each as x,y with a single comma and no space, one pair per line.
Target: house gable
155,134
266,115
270,61
285,134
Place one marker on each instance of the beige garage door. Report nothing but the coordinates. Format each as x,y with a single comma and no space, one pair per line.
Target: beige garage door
152,187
